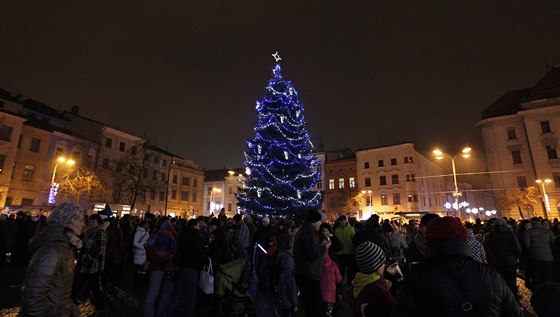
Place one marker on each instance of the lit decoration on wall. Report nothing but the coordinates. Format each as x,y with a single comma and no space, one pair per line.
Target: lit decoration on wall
462,204
52,193
281,170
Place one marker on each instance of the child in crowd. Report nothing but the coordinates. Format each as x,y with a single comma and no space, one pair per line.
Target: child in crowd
331,275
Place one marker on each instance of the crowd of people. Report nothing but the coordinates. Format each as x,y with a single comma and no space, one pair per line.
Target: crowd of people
438,266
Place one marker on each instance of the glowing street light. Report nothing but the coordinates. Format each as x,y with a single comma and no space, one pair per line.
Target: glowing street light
212,204
464,153
545,196
54,186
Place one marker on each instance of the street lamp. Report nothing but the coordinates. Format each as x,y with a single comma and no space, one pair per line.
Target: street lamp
546,202
369,192
212,205
465,153
54,186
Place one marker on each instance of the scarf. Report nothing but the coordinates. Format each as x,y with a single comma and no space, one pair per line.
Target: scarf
362,280
73,238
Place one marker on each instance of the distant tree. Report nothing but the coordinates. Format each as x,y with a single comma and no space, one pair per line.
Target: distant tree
354,202
522,197
81,182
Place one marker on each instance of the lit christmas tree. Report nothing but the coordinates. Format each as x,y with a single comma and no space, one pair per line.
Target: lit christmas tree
281,167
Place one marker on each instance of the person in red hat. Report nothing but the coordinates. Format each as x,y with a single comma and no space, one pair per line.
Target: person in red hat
450,282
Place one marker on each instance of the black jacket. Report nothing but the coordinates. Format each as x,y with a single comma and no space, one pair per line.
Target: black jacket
502,247
308,252
190,250
427,292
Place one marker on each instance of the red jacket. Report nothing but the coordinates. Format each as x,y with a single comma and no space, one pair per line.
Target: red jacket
331,276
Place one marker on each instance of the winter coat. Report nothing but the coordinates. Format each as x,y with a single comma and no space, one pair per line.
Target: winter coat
140,238
394,246
92,256
428,288
308,252
502,247
190,250
539,241
371,296
346,236
48,282
331,276
477,250
115,244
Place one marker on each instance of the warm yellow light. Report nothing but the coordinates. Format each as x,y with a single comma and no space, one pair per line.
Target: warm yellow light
538,181
466,150
231,173
548,180
439,157
70,162
61,159
437,152
217,190
466,155
363,191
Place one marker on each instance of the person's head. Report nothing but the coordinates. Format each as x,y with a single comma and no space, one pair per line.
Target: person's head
425,220
314,217
326,230
95,220
144,224
265,221
237,218
387,228
194,223
500,222
342,220
69,215
546,300
446,228
370,258
214,223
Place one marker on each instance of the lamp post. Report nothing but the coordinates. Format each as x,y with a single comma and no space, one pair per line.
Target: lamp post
465,153
212,205
54,186
369,198
545,196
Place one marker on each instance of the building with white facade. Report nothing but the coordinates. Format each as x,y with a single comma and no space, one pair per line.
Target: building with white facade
220,188
520,133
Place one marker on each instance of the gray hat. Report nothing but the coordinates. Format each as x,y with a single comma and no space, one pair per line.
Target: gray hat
500,222
369,257
65,214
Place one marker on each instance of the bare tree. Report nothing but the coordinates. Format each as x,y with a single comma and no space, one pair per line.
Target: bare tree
81,182
522,197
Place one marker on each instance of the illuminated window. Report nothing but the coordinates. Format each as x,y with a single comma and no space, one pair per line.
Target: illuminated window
341,183
351,182
331,183
408,159
384,200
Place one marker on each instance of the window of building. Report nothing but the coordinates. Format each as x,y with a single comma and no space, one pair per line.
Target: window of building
319,185
331,183
410,177
412,198
229,206
174,194
351,182
367,182
516,156
545,127
511,135
521,182
185,181
555,177
184,195
133,150
27,202
161,196
2,160
193,197
5,132
120,166
28,172
383,180
341,183
395,179
9,201
408,159
122,146
35,145
396,199
380,163
230,190
551,152
194,182
393,161
174,179
109,142
366,164
384,200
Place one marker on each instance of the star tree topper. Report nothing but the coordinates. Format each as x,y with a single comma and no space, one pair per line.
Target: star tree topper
277,57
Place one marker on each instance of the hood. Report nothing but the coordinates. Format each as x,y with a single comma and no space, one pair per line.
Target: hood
362,280
49,235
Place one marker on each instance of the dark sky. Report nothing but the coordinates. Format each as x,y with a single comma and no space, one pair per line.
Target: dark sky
188,73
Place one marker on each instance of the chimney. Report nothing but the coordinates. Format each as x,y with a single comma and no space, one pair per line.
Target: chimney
75,109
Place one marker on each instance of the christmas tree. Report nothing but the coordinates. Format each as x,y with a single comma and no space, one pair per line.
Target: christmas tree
281,167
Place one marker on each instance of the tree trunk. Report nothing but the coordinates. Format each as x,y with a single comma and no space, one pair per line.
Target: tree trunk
520,212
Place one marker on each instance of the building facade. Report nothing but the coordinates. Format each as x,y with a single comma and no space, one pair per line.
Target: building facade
220,189
186,186
520,133
341,188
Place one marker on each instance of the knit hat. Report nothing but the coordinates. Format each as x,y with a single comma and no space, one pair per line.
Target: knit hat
65,214
265,220
313,216
500,222
342,218
446,228
369,257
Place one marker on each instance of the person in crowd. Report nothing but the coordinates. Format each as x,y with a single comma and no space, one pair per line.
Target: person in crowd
394,244
411,231
477,249
115,251
160,250
417,249
139,241
287,289
556,252
8,229
327,233
47,286
450,282
265,237
503,252
218,247
308,257
372,232
191,258
345,257
91,264
241,238
539,243
331,275
546,300
371,296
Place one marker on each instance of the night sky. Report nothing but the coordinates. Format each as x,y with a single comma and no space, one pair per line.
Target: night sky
370,73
